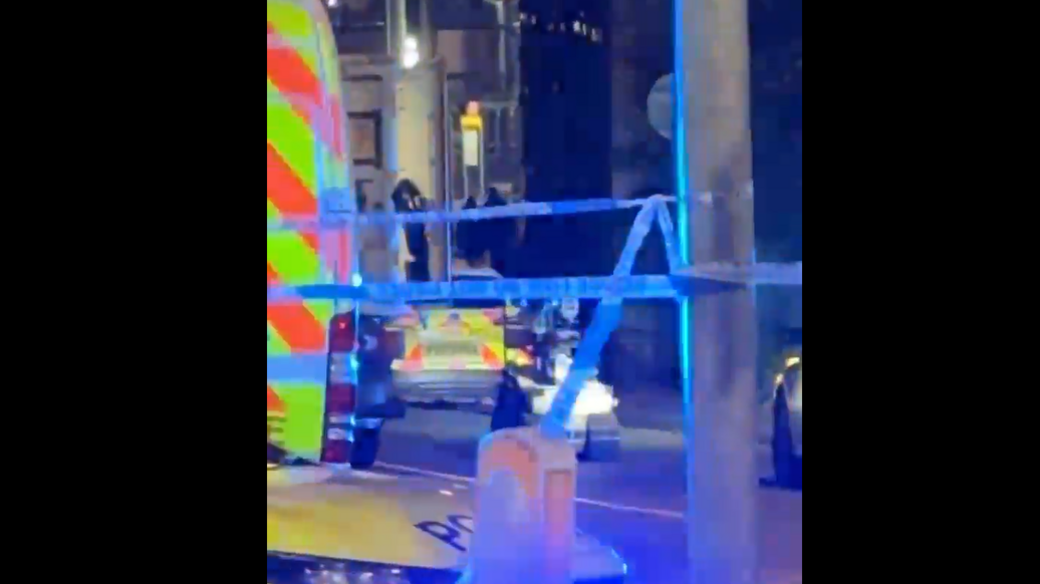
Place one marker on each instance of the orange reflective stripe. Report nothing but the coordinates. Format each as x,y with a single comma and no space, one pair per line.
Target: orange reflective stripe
274,403
414,360
489,357
297,326
294,78
285,189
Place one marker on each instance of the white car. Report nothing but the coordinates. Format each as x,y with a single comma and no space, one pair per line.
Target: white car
593,428
784,423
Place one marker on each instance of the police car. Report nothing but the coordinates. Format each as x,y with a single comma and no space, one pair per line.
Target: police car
454,354
352,527
504,359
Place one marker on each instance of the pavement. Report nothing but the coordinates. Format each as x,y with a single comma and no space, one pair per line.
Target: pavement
637,504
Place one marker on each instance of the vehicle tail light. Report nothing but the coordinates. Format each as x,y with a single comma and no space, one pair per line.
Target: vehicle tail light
340,389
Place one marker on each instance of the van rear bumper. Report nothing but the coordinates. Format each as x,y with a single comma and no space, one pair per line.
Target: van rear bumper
452,387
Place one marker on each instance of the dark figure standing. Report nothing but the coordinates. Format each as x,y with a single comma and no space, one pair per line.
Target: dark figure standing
408,199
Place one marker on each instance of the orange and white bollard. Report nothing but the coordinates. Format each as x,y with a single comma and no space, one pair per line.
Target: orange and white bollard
524,528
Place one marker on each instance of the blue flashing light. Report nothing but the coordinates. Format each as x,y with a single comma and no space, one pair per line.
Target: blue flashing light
355,279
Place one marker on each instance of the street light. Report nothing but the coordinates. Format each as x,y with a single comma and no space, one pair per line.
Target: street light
410,52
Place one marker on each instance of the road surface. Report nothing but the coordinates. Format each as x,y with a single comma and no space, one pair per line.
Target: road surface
635,505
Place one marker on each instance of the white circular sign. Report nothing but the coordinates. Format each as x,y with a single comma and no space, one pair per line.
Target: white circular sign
659,105
569,308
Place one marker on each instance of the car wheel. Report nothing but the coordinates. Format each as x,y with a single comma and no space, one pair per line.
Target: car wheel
786,466
509,409
365,448
603,449
587,452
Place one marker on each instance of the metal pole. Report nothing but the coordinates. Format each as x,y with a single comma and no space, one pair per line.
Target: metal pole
712,69
449,175
502,24
387,20
465,172
390,125
482,195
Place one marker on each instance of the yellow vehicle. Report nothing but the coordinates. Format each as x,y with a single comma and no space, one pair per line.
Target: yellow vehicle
453,352
307,172
455,356
349,526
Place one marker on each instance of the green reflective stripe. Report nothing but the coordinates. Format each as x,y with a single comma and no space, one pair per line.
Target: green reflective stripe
276,345
304,416
294,140
295,262
323,310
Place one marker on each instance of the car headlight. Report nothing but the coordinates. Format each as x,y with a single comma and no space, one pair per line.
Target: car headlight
595,398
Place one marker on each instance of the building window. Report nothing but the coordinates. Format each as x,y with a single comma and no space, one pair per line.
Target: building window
365,131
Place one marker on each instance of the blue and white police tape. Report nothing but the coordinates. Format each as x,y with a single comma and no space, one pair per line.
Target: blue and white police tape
301,368
660,286
641,226
671,244
757,273
685,283
339,219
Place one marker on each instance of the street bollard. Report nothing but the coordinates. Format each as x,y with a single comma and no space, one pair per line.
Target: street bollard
524,528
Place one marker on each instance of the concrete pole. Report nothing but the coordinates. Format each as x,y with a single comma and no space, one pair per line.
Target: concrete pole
396,28
401,24
712,66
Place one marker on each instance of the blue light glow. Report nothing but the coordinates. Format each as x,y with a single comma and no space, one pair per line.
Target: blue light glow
297,367
527,288
681,195
336,220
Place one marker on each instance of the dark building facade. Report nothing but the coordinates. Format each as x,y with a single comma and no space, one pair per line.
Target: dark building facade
565,95
360,26
565,99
